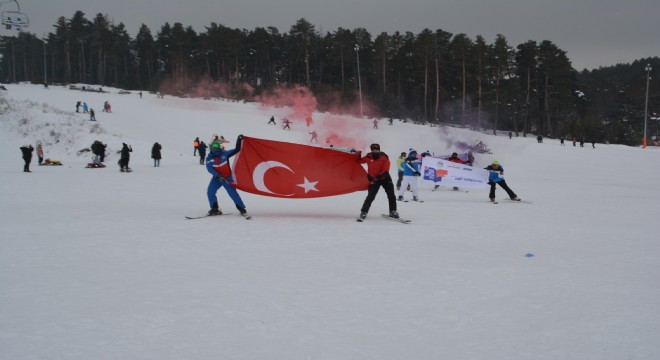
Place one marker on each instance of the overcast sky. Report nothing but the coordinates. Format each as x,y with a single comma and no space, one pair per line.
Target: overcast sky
594,33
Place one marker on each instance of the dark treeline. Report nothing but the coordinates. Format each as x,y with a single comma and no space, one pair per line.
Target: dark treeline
433,76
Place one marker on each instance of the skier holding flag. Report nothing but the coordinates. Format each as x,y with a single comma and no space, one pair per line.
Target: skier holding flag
217,164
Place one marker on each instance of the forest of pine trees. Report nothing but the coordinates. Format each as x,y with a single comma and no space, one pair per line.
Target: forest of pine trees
433,76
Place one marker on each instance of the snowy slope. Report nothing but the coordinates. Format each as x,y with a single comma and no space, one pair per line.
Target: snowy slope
98,264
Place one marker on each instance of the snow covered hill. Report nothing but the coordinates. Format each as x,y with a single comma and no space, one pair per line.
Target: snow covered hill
98,264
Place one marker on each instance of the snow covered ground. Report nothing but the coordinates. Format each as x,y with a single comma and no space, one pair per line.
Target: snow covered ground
98,264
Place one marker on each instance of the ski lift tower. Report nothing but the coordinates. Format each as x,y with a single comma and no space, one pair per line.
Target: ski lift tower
14,19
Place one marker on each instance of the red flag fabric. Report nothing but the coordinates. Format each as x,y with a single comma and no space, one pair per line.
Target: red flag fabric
286,170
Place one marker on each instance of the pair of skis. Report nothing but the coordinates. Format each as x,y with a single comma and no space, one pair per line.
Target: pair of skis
514,200
404,221
245,216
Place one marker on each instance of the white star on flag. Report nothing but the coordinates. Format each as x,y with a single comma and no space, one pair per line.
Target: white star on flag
308,186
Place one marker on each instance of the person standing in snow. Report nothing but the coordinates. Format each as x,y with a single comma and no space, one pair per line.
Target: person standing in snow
410,174
125,157
155,154
399,168
40,153
92,115
85,108
495,178
78,105
195,146
378,174
202,152
286,124
376,124
27,156
272,120
217,164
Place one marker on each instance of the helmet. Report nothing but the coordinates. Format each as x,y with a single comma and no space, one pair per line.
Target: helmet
216,145
497,163
454,154
375,147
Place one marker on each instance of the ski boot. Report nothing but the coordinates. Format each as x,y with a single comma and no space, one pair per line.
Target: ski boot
214,212
394,214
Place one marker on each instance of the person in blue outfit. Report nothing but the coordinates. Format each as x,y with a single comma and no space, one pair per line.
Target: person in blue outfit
410,173
495,178
217,164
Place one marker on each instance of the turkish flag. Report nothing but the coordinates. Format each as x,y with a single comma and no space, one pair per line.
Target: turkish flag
280,169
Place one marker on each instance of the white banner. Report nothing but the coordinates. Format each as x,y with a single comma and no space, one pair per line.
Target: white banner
442,172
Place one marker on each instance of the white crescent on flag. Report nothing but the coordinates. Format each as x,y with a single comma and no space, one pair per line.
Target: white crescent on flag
260,171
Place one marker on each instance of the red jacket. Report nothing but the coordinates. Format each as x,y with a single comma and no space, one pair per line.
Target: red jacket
377,169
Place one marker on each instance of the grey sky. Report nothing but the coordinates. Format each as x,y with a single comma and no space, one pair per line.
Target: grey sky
593,32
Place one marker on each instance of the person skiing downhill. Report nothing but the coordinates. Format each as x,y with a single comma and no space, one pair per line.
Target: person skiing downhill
494,178
315,137
217,164
378,174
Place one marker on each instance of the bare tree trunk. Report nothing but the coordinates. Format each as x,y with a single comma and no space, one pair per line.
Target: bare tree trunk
464,93
497,98
341,61
67,63
437,90
384,72
479,93
309,82
546,104
527,100
426,88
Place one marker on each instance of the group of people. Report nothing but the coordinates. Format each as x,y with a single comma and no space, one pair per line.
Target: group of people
88,110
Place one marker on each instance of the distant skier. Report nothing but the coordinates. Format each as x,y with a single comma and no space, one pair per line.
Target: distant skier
561,141
27,150
510,134
85,108
155,154
217,164
286,124
78,105
378,174
495,178
314,137
92,115
376,124
272,120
